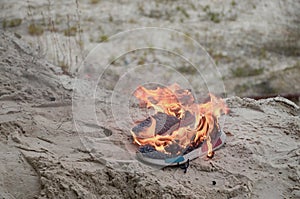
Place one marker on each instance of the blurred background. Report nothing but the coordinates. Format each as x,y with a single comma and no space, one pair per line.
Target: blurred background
254,44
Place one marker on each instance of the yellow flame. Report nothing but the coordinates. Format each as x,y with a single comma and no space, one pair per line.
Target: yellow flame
176,102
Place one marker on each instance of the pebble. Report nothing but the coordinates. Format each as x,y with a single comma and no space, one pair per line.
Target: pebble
296,193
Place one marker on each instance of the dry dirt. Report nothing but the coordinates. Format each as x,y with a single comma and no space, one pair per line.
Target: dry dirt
43,155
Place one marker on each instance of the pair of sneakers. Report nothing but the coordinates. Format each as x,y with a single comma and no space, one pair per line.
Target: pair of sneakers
164,124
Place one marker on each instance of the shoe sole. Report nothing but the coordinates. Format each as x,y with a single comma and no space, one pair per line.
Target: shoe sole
199,152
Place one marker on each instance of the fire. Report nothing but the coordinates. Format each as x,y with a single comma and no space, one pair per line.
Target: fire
194,123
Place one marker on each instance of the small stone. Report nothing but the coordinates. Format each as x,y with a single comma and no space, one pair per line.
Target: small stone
15,137
296,193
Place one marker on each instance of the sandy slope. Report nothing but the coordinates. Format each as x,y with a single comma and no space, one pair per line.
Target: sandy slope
43,156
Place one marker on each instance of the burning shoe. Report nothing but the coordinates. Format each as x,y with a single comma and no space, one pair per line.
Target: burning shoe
148,154
181,130
164,148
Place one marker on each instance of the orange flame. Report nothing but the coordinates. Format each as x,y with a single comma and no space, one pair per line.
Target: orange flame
176,102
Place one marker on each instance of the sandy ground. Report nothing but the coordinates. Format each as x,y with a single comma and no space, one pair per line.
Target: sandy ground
51,145
43,155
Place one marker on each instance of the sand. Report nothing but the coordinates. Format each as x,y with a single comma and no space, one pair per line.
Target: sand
44,155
